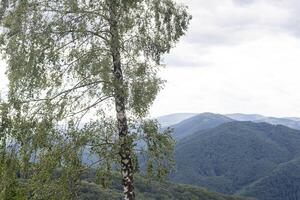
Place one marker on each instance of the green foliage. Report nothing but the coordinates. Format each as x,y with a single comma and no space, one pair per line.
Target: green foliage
31,154
69,64
159,150
43,160
10,186
62,51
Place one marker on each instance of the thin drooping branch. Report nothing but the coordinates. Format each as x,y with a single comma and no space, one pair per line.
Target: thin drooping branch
98,34
101,99
80,11
76,87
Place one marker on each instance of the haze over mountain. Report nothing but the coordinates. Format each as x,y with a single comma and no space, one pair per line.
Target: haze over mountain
196,123
241,157
174,119
245,117
168,120
291,122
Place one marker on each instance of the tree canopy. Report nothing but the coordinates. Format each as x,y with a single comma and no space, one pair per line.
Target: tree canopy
70,64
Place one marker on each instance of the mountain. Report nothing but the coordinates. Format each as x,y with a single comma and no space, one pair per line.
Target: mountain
148,190
282,184
198,122
291,122
283,121
168,120
238,155
245,117
293,118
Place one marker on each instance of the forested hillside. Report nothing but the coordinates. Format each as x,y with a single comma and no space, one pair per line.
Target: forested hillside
283,183
239,155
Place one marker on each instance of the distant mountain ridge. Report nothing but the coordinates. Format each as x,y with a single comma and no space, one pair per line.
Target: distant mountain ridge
196,123
291,122
173,119
168,120
245,117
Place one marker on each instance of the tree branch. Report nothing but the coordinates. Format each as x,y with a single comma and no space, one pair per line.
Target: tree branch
93,104
4,5
77,86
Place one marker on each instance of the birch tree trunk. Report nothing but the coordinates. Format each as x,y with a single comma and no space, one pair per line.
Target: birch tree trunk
120,101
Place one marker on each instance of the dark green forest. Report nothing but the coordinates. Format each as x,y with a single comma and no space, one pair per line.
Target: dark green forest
243,158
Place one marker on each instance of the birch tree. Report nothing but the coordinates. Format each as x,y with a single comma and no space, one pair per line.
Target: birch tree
82,58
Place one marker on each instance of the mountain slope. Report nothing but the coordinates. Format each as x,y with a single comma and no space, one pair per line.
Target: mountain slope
199,122
282,121
234,155
282,184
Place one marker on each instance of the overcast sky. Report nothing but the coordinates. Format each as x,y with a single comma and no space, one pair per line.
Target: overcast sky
238,56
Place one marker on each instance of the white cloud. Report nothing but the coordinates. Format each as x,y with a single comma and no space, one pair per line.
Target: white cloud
238,56
257,76
228,23
252,47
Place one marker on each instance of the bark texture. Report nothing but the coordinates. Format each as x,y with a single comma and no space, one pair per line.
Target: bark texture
120,101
